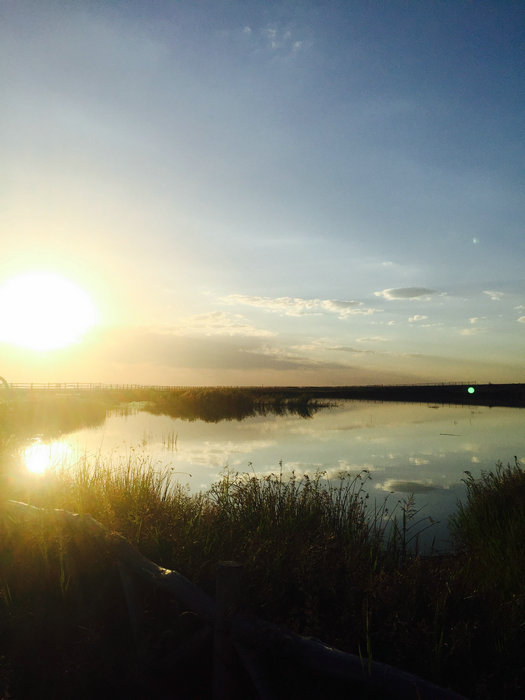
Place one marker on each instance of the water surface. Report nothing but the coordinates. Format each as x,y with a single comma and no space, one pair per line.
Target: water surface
407,448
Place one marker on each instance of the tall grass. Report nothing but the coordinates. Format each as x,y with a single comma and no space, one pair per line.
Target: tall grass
490,526
489,532
489,529
288,531
318,557
493,501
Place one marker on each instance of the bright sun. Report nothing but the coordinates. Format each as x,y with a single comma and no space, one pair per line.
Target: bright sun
43,311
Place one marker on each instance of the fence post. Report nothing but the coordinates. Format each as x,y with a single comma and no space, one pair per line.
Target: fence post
228,600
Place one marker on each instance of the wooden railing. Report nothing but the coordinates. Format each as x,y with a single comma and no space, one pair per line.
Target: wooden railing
237,638
82,386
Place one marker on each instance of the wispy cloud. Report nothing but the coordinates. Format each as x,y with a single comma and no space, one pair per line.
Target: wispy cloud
416,318
406,293
472,331
297,306
279,39
354,351
217,323
343,308
372,339
521,319
324,345
493,295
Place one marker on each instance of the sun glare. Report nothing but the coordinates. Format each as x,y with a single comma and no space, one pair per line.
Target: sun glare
39,457
43,311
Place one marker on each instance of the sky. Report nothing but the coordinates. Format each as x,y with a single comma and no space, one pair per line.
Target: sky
267,193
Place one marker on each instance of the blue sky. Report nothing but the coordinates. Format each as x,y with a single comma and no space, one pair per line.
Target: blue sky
269,193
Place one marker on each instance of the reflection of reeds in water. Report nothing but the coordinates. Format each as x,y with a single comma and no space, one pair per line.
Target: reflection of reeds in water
26,415
217,404
49,414
169,441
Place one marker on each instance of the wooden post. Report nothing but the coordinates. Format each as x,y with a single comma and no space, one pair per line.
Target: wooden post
134,601
225,662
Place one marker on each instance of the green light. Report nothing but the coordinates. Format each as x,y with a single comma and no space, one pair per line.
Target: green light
471,390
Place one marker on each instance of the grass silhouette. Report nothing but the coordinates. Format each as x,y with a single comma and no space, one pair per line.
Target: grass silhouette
318,558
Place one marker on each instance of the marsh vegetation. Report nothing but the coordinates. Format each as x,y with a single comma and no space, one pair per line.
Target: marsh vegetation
52,413
318,558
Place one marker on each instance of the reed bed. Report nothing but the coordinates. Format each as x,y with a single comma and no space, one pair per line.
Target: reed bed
490,525
24,414
318,558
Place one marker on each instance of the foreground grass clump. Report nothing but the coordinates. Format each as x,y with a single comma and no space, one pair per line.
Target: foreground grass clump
490,526
59,605
287,531
317,558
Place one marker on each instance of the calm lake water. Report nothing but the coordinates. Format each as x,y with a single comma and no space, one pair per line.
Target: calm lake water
408,448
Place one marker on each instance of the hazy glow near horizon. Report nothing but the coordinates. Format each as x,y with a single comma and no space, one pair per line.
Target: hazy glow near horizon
43,311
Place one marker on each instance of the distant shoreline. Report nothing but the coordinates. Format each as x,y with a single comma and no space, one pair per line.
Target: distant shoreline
512,395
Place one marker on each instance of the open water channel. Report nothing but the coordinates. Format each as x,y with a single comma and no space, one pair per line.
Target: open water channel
418,449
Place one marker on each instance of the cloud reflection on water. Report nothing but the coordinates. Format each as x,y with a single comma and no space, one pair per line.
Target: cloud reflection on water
405,447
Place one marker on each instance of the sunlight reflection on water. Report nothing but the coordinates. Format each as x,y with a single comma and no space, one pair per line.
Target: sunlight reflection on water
406,448
41,456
